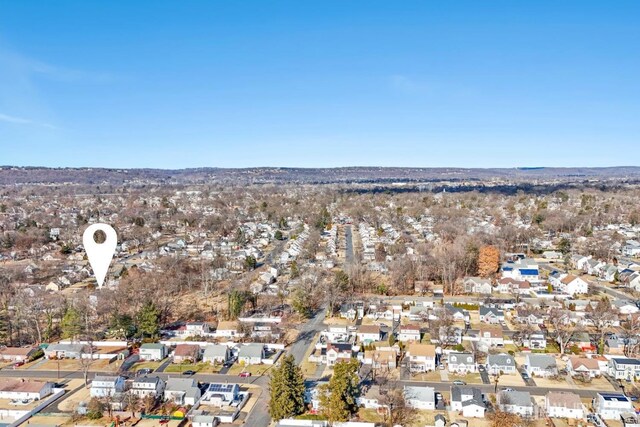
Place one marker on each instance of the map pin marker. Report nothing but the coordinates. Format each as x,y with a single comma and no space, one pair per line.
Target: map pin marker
100,254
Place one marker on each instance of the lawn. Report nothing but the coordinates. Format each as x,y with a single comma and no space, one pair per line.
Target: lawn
145,365
308,368
468,378
196,367
256,370
433,376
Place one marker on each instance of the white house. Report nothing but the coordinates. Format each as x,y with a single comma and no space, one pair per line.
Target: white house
251,354
11,389
105,386
368,333
491,315
467,400
216,353
147,386
583,366
423,398
153,351
611,405
409,333
500,363
564,405
515,402
219,395
573,285
477,285
422,357
229,330
182,391
624,368
461,363
542,365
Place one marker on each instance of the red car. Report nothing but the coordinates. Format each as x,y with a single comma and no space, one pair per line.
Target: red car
244,374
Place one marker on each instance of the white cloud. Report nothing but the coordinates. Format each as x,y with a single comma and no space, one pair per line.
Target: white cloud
408,85
22,121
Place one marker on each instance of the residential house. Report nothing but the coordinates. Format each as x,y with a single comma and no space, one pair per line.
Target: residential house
491,315
490,336
337,333
625,306
630,419
381,359
509,285
147,386
541,365
461,363
66,351
624,368
467,400
22,390
583,366
573,285
153,351
457,313
564,405
106,386
229,330
500,363
422,398
422,357
339,352
204,420
186,353
216,353
220,395
368,333
515,402
535,341
610,406
195,329
409,333
251,354
17,354
182,391
477,285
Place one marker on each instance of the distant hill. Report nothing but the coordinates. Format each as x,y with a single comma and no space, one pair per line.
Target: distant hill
11,175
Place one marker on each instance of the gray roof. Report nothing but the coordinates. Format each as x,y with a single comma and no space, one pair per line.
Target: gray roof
251,350
457,393
216,350
517,398
180,384
72,347
423,394
152,346
461,358
501,359
146,380
542,361
486,310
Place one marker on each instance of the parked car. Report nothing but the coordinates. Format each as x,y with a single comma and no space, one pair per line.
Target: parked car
189,372
144,371
525,376
459,382
244,374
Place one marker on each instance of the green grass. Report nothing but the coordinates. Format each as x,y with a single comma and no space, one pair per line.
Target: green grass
197,367
256,370
145,365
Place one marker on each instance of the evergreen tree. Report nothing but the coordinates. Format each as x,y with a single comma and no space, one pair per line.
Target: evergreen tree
338,398
149,320
71,324
287,390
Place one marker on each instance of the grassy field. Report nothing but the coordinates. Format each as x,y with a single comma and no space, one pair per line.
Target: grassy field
145,365
196,367
256,370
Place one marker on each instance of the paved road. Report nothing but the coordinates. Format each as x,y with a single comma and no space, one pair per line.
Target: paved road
307,334
613,292
348,249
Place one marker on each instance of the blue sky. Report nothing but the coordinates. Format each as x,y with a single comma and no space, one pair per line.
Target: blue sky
175,84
